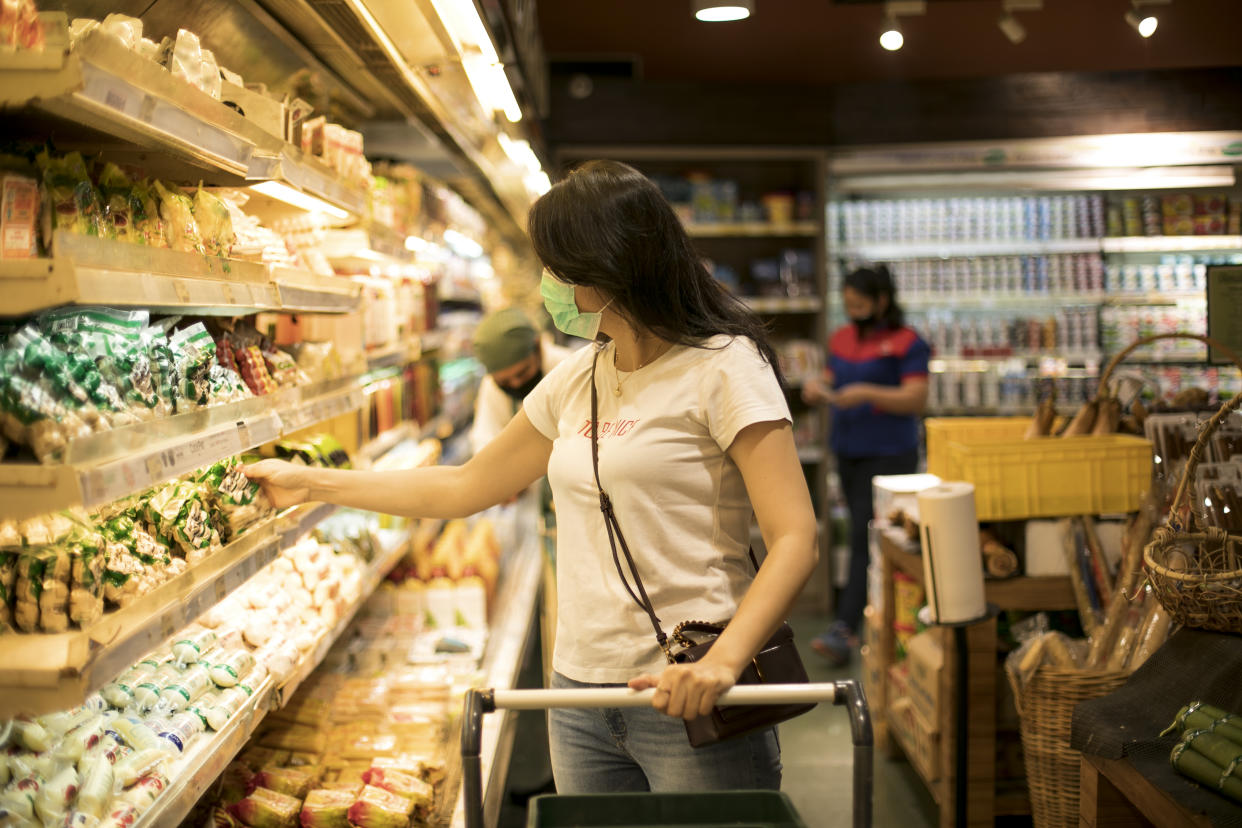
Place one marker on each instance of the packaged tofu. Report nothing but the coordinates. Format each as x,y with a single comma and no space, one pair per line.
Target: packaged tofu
377,808
19,216
325,808
289,781
263,808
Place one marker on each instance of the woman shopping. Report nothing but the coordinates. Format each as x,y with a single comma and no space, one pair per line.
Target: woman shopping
693,434
876,385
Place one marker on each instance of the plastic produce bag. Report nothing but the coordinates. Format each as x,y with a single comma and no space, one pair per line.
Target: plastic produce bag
177,213
126,29
180,514
209,74
193,352
288,781
215,225
70,201
325,808
238,500
148,225
267,809
377,808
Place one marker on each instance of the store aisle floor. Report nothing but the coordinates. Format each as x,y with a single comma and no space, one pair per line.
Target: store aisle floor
818,756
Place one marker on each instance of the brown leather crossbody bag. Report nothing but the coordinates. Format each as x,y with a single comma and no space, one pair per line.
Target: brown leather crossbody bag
777,662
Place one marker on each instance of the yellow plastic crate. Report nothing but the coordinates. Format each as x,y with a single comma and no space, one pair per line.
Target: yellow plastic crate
973,430
1017,479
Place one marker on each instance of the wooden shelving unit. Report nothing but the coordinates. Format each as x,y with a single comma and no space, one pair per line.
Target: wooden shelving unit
984,799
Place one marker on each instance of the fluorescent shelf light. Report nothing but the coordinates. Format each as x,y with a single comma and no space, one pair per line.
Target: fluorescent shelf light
538,182
463,246
482,65
297,198
414,244
519,152
723,11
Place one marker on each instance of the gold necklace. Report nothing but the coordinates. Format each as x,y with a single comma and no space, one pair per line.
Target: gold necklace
641,365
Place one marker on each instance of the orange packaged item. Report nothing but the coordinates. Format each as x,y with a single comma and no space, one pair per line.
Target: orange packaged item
19,216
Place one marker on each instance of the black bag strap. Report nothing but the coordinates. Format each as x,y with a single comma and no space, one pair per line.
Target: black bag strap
616,538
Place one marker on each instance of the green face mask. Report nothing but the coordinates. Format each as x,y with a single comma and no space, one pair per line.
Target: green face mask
558,298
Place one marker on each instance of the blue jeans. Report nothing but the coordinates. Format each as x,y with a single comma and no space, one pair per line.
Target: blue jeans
608,750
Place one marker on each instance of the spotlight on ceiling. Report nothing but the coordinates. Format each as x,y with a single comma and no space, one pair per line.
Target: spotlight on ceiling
1010,25
1144,23
723,11
891,37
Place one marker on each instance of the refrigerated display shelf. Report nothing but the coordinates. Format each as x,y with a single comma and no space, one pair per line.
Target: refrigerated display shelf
1168,297
784,304
895,251
44,672
752,229
103,87
1170,244
208,757
997,301
1028,356
87,270
114,464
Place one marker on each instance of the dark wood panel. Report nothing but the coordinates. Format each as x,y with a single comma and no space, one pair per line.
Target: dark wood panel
620,112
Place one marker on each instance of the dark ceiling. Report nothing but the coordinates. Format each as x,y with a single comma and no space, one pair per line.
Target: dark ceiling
818,42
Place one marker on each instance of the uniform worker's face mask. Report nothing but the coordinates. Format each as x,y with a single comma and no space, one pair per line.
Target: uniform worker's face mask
558,298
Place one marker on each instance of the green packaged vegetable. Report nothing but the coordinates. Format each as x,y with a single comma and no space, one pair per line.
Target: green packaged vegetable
237,500
121,205
215,225
70,202
177,213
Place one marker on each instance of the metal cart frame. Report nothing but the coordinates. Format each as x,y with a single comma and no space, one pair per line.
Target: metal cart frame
845,693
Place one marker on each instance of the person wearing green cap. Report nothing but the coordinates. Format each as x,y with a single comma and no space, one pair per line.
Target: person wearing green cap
515,358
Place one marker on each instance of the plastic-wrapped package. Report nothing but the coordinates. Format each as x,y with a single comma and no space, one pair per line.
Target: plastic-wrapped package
267,809
126,29
177,213
185,688
70,201
143,793
18,799
179,513
96,790
122,815
288,781
119,202
147,691
377,808
325,808
193,643
238,500
209,74
124,577
281,367
402,784
56,795
79,819
193,353
138,764
79,741
19,25
148,225
234,782
215,225
232,667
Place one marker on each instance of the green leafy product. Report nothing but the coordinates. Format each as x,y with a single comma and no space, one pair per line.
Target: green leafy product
70,201
123,207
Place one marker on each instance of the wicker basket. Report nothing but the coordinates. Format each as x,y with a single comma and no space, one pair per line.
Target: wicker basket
1046,706
1197,575
1107,374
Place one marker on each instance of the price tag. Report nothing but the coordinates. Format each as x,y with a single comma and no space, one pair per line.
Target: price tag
182,291
155,468
115,100
243,433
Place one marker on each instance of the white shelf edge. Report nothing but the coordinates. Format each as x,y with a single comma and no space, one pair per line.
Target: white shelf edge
752,229
895,251
1169,244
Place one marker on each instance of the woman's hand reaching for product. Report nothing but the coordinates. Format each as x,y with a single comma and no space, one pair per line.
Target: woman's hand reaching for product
687,691
284,483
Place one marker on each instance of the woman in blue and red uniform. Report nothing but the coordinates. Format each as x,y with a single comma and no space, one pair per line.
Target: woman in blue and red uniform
876,385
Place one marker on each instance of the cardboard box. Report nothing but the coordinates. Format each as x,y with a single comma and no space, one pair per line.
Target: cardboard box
919,740
925,659
19,217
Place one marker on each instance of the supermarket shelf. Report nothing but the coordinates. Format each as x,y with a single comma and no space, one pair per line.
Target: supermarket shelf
113,464
87,270
1176,358
29,489
1171,297
286,163
40,673
1170,244
208,757
784,304
384,443
1028,356
1002,301
511,624
753,229
888,252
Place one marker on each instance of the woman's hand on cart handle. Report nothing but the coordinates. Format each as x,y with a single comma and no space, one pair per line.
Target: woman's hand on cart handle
687,691
284,483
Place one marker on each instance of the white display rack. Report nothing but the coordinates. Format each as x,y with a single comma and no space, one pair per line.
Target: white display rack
784,304
1171,244
211,753
895,251
998,301
87,270
44,672
111,465
753,229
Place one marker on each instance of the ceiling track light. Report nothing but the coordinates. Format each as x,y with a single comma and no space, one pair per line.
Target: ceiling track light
723,11
891,37
1009,24
1142,22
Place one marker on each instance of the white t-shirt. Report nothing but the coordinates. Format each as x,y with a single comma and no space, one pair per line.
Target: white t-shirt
493,408
679,499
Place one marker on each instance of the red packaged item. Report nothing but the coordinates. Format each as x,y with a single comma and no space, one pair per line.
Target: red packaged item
19,25
253,370
225,354
19,216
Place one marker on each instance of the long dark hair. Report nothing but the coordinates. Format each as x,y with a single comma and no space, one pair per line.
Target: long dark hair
607,226
874,282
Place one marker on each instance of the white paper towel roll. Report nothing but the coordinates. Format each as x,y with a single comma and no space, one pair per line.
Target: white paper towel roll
952,563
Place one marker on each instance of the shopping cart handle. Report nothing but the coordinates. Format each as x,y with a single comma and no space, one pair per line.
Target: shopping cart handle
844,693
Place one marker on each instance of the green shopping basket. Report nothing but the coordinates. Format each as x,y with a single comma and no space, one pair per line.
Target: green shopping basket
736,809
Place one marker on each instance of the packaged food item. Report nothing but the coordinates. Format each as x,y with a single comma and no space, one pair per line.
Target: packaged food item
263,808
377,808
19,216
18,799
215,225
123,815
179,513
56,795
403,784
289,781
209,74
233,666
326,808
126,29
185,688
236,499
81,739
96,790
80,819
19,25
145,791
194,643
148,225
147,691
138,764
177,214
70,202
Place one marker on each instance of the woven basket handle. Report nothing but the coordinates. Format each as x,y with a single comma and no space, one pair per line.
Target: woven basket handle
1147,340
1196,453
